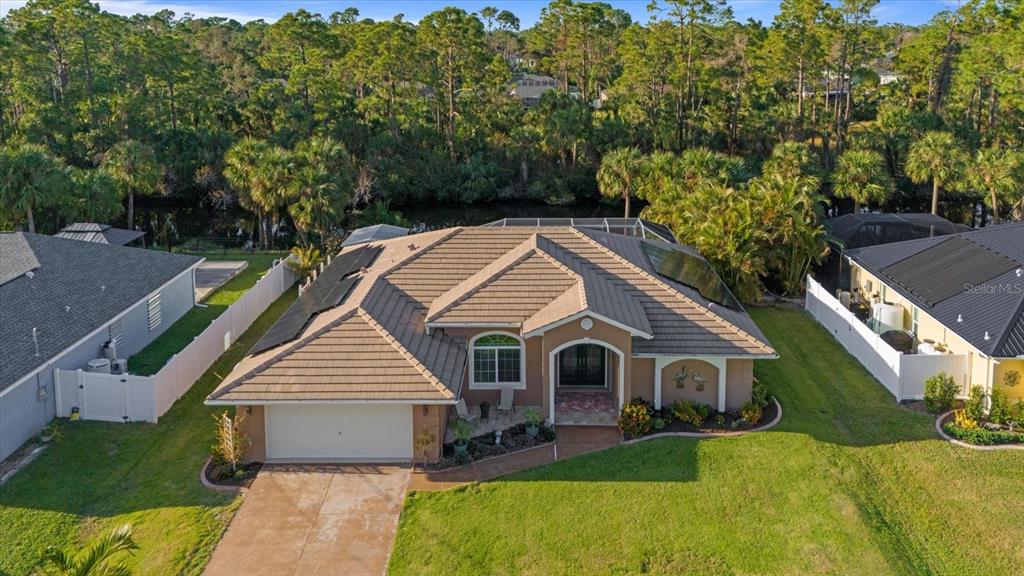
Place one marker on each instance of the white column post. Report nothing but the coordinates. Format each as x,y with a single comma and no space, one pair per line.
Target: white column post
721,364
659,364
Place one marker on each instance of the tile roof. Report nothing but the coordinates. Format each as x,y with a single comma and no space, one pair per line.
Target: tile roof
988,303
75,288
515,276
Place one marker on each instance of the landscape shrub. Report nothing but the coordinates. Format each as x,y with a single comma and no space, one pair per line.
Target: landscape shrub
760,394
975,405
999,409
939,393
983,436
635,420
1016,417
231,444
688,412
751,412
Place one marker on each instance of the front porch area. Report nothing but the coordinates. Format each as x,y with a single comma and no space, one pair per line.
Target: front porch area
586,408
496,420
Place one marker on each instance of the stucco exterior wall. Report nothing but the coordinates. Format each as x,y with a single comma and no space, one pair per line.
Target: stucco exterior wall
255,427
642,379
430,419
739,382
24,411
928,328
1005,366
670,391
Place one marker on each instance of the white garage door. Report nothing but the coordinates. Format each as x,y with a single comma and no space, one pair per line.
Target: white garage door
349,432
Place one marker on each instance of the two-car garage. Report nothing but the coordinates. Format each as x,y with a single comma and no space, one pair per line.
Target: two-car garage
339,432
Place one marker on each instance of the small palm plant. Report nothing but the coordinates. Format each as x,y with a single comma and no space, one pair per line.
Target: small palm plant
96,559
304,260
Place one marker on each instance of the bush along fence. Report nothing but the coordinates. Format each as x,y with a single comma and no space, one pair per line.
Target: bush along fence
126,397
903,375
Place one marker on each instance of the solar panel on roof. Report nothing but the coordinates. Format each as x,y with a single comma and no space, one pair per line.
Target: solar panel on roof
329,289
691,271
947,269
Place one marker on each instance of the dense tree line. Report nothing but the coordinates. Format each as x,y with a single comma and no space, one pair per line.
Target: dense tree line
716,125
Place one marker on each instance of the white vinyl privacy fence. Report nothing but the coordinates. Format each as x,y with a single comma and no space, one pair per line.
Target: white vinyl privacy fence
903,375
126,397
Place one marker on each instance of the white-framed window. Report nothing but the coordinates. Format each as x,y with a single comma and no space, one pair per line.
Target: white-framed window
913,319
498,361
153,307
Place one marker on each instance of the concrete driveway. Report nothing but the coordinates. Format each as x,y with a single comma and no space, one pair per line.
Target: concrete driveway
323,519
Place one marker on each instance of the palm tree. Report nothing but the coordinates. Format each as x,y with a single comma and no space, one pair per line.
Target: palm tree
320,185
95,197
620,174
271,185
935,157
792,160
240,162
861,175
994,171
30,178
134,167
93,560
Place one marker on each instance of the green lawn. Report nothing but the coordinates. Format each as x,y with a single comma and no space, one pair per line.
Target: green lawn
97,476
153,357
847,483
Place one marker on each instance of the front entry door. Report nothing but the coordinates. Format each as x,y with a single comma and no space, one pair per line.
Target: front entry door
582,366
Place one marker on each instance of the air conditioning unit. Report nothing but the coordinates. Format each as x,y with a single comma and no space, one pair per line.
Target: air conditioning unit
120,366
98,365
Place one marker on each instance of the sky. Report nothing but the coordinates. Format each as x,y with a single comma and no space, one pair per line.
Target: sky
911,12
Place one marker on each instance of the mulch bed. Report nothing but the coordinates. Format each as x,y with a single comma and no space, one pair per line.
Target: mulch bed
918,406
513,440
243,479
950,418
711,427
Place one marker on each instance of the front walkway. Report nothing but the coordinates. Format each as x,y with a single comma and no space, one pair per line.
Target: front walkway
315,519
586,408
570,441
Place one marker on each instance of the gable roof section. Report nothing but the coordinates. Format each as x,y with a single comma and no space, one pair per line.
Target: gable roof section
356,359
986,303
76,288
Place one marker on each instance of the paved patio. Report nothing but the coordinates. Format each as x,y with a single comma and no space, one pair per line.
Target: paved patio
314,519
213,274
586,408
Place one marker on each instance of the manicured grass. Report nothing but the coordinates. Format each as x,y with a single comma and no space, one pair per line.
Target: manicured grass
848,483
153,357
97,476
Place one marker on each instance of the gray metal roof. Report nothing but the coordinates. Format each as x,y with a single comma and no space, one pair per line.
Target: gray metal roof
76,288
101,233
374,233
988,308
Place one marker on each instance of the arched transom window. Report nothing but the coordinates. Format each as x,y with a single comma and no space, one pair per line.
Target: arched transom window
497,360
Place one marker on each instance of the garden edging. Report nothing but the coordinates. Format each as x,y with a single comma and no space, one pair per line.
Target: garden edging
217,487
422,470
778,417
948,438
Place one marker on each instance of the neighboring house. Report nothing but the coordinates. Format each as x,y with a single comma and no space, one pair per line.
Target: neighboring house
851,231
62,301
572,321
529,88
960,294
374,233
102,234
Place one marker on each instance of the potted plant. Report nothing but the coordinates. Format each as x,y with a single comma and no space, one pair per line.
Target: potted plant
462,431
485,410
533,422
